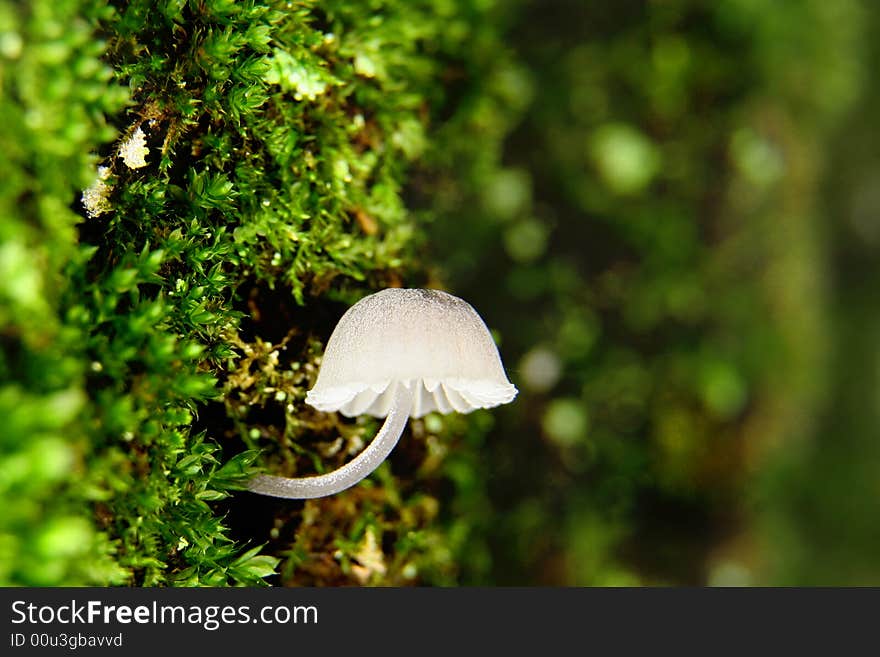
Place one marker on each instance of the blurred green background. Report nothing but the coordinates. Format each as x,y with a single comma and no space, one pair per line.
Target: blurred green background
681,257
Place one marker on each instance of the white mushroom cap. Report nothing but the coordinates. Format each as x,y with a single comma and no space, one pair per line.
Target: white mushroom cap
433,343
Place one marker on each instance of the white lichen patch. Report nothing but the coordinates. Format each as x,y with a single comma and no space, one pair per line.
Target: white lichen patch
95,197
341,170
368,59
133,150
370,559
365,65
11,44
305,79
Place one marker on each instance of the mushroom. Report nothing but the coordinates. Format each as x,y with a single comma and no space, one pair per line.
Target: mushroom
398,353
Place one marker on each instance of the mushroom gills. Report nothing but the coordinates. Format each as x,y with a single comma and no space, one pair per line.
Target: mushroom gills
428,396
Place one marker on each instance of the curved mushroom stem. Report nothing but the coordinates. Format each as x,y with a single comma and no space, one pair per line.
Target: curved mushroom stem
353,471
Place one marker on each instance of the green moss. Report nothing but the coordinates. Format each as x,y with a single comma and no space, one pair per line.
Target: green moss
162,314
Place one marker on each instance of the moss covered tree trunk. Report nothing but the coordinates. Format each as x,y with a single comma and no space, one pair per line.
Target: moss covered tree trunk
191,195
